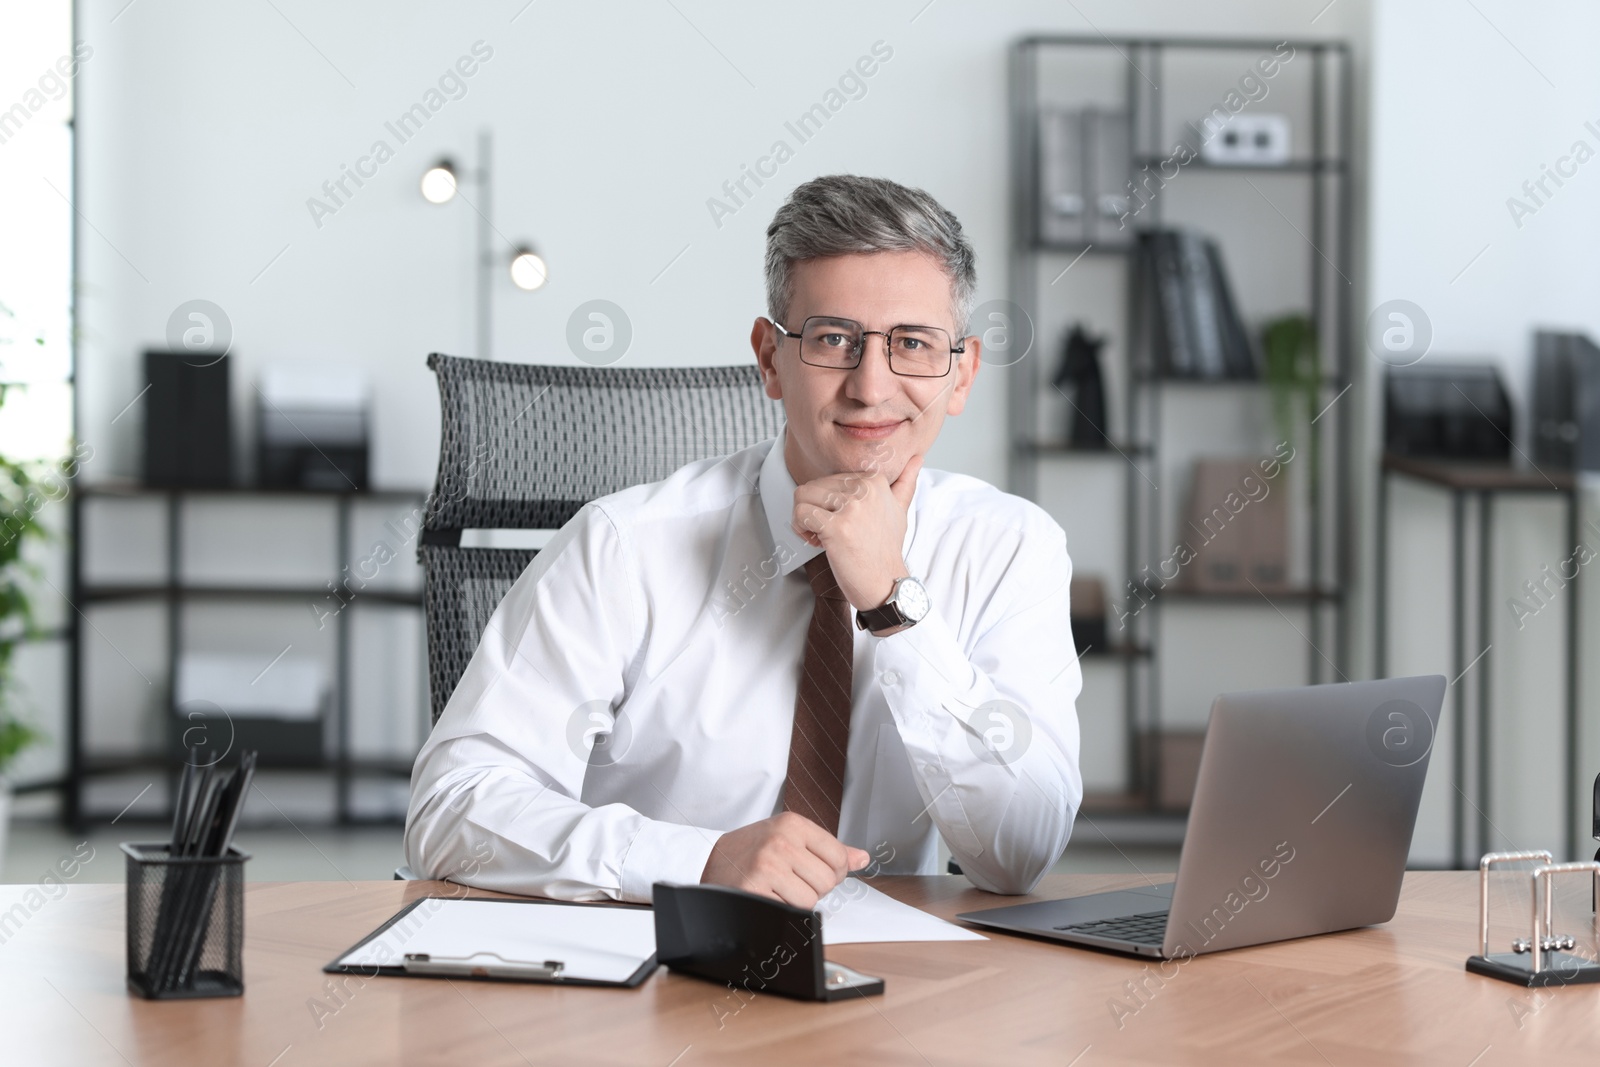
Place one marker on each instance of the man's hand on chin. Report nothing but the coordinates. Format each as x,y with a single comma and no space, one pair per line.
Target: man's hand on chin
859,519
787,856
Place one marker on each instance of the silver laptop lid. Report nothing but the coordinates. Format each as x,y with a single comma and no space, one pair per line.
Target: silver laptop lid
1303,812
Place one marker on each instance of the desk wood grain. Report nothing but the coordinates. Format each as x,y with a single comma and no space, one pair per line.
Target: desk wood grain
1396,993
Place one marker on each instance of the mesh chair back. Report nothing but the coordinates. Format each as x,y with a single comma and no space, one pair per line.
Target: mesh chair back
524,446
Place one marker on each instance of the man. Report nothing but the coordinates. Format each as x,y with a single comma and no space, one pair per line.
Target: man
807,658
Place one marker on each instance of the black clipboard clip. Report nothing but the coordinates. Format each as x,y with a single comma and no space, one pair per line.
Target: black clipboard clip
755,943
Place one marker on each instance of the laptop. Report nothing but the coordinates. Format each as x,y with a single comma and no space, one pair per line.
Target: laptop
1301,823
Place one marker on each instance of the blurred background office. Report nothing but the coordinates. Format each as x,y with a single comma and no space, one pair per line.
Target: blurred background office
1303,287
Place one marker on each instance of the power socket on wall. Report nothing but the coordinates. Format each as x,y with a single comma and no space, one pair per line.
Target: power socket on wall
1249,140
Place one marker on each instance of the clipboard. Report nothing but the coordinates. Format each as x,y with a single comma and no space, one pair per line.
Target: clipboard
469,937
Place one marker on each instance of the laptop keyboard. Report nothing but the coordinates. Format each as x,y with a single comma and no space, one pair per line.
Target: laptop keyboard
1147,928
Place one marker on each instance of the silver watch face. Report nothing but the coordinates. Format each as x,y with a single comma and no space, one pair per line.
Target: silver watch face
912,599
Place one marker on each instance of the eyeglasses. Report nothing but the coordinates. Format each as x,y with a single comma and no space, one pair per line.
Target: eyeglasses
914,351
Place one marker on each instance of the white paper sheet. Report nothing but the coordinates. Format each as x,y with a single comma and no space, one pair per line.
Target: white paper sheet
856,913
605,944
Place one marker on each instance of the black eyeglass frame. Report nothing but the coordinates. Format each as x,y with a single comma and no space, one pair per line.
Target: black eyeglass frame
861,344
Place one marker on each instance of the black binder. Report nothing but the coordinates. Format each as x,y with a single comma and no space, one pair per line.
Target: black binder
1194,324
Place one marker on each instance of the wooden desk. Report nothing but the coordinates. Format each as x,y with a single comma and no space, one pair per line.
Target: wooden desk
1391,994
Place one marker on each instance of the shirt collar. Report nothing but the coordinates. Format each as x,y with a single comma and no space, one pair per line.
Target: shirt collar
777,500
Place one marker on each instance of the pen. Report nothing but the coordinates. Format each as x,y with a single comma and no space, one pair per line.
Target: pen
463,967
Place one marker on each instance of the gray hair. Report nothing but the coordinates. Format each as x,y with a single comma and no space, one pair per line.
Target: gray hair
842,214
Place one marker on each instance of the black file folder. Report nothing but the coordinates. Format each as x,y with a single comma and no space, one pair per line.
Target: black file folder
508,941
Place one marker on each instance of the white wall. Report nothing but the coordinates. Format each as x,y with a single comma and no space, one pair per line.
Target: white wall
206,129
1469,102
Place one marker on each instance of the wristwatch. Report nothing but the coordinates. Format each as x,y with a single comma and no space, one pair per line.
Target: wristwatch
907,605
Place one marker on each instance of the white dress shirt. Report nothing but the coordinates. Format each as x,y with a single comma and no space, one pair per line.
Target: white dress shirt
668,621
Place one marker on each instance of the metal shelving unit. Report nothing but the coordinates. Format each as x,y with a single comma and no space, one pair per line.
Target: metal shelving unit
1323,239
174,593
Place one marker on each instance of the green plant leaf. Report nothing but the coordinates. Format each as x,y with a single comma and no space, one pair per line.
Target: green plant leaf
22,496
1293,370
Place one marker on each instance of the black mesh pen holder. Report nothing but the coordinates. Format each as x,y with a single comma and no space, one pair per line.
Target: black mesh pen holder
185,923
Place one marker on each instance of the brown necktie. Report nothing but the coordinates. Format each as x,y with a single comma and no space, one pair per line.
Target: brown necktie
815,785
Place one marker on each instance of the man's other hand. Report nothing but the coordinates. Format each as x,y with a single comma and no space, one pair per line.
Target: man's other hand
787,856
859,519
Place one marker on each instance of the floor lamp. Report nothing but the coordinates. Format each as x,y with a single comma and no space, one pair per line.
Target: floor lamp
440,184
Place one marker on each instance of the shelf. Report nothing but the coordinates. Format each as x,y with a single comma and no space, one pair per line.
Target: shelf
1115,803
102,765
1294,166
1480,476
1116,652
132,489
141,591
1116,450
1072,248
1101,803
1224,44
1204,383
1142,378
1248,596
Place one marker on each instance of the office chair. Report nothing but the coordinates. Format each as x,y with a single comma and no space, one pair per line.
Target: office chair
524,446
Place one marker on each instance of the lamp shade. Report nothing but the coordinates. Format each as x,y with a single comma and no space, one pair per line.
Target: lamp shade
439,182
528,269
